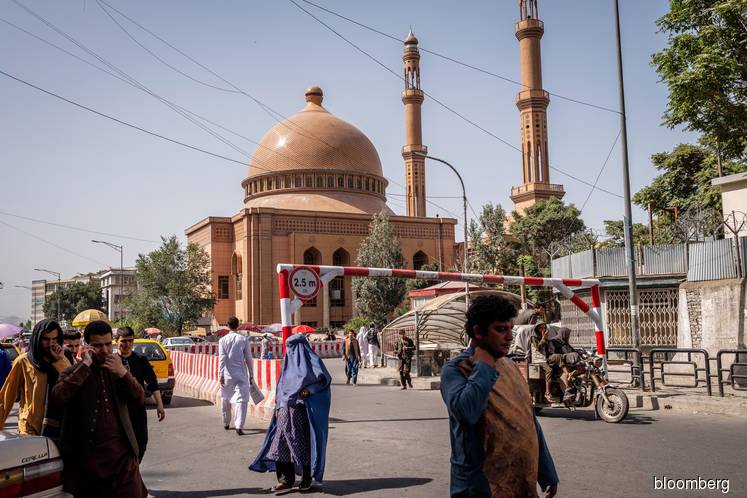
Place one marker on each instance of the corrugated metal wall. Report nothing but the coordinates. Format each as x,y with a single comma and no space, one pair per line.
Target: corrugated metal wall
712,260
611,262
582,264
663,259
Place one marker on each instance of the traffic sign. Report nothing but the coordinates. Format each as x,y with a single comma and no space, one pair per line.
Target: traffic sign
305,283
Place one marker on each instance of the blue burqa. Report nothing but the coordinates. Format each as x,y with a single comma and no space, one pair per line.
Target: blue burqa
302,368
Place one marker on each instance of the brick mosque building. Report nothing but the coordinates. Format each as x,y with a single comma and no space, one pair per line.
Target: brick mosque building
314,183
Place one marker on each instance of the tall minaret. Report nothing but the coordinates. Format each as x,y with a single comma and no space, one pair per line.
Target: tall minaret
412,97
532,102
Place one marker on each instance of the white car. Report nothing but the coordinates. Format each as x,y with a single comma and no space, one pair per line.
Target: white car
30,466
178,341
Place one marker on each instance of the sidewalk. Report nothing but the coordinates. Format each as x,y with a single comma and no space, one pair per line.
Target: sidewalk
664,398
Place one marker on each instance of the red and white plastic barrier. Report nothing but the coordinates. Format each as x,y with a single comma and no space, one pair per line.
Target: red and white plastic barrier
197,377
325,349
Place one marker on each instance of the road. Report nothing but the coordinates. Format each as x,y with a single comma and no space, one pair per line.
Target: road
387,442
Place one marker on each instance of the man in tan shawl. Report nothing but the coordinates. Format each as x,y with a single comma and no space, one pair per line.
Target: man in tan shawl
497,445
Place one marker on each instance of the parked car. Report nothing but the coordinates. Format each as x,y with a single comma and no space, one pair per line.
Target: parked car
30,466
178,341
160,360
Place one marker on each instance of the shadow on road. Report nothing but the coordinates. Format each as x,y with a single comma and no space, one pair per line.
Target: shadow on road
588,416
180,402
202,494
333,420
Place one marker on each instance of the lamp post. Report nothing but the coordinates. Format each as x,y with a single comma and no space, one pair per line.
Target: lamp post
464,201
121,269
23,287
628,219
59,287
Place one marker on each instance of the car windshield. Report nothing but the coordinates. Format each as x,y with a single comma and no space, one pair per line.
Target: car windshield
181,340
151,351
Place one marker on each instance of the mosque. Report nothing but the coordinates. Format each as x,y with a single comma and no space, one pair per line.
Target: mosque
315,181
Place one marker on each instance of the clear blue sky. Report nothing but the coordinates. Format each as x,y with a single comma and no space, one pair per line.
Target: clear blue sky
65,165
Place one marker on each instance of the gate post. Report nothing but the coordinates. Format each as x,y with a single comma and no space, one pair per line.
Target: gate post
285,305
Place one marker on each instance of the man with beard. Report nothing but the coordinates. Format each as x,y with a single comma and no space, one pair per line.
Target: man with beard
71,343
32,377
98,443
140,368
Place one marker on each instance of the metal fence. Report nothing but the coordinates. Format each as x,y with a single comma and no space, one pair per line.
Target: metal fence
709,260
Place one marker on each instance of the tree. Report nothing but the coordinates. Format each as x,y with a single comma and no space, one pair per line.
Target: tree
173,287
491,250
377,298
705,69
73,299
543,225
412,284
685,181
616,235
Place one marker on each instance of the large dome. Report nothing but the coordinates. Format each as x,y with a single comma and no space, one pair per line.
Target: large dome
316,161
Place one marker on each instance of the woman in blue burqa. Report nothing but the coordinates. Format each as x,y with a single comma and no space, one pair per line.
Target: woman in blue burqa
296,442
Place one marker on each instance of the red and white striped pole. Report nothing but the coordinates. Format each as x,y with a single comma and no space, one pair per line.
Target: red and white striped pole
285,305
596,303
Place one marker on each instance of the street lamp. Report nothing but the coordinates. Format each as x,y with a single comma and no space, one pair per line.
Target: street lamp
23,287
59,287
121,268
464,201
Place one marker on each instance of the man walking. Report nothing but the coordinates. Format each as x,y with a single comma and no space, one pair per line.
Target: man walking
372,337
497,445
141,369
362,339
32,377
351,355
99,447
234,359
404,350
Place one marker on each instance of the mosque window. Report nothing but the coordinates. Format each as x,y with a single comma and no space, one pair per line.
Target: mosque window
359,182
368,184
287,181
350,182
309,181
319,181
330,181
269,183
419,260
261,186
340,181
223,287
298,181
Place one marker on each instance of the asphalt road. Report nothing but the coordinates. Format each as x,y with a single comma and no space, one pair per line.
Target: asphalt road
387,442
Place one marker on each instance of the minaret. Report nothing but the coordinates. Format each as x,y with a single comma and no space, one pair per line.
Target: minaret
412,98
532,102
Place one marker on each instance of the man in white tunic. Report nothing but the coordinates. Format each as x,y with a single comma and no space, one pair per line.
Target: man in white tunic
234,373
363,344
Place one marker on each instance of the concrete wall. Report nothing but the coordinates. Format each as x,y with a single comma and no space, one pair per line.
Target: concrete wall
711,314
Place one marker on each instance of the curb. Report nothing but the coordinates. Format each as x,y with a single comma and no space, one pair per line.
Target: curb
689,403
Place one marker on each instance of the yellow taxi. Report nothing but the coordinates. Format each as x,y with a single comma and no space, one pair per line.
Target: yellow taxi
160,360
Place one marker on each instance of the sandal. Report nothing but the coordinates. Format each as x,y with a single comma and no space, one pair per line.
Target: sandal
549,398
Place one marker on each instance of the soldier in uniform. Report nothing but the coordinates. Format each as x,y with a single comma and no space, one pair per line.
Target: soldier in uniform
405,349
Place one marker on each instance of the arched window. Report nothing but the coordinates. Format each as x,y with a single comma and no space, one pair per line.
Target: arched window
337,286
419,260
311,256
236,271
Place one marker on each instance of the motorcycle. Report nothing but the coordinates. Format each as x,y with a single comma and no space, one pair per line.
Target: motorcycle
589,387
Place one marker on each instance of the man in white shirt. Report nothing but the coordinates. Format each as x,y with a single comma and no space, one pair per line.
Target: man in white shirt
363,344
234,373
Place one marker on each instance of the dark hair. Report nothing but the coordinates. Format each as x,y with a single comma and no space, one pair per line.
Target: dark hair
125,332
71,336
233,323
487,309
98,327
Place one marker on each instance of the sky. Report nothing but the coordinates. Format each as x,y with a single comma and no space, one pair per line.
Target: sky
66,166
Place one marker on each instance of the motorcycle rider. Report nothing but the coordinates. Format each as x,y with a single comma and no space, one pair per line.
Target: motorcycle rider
558,354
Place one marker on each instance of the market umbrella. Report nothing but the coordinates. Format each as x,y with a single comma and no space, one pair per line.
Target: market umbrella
274,328
7,329
250,327
152,331
85,317
221,332
303,329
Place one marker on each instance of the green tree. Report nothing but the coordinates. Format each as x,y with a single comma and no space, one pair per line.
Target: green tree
356,323
616,235
377,298
412,284
491,249
173,287
73,299
685,180
705,68
542,225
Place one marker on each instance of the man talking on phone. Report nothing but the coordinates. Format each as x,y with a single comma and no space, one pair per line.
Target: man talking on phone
98,443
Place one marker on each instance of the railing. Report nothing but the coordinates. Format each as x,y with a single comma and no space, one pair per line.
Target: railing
706,368
731,370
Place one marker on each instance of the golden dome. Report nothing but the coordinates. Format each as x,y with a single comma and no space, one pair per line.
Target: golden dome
316,155
314,139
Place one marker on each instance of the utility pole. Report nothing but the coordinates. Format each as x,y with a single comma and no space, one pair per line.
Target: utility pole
464,202
628,220
121,274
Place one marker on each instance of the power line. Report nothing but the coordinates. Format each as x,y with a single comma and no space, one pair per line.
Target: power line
456,61
51,243
601,170
79,229
453,111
